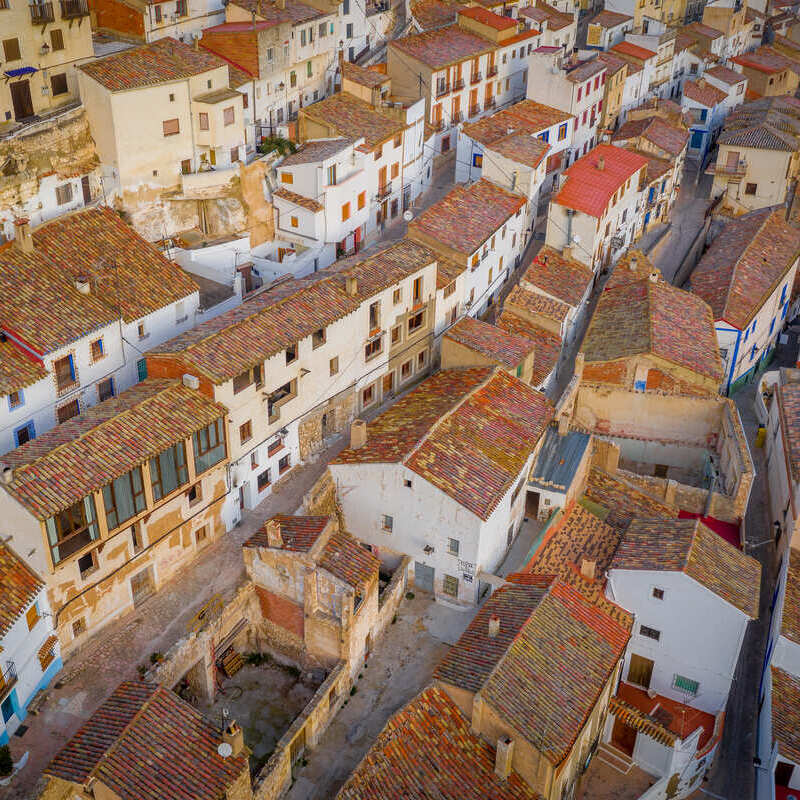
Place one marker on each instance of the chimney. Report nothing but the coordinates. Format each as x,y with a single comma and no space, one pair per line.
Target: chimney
351,285
601,163
503,757
191,381
274,538
6,474
566,251
82,284
24,237
588,569
358,434
494,626
234,736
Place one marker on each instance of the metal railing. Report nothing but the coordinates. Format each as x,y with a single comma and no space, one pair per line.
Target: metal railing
441,91
459,84
71,9
475,77
473,110
42,13
492,71
456,116
490,103
384,192
8,677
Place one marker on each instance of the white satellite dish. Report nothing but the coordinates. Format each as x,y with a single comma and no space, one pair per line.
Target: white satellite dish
408,216
225,750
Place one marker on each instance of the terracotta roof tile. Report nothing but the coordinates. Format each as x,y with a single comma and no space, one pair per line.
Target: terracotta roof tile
764,59
432,14
526,117
443,46
20,585
237,44
546,345
299,533
298,199
319,149
725,75
786,713
521,148
584,70
561,276
507,349
621,501
370,78
162,61
556,20
62,466
610,19
745,263
627,48
771,123
537,303
468,216
590,189
658,131
18,368
489,18
427,750
612,62
790,625
789,400
704,93
269,11
699,29
145,743
344,557
468,432
688,546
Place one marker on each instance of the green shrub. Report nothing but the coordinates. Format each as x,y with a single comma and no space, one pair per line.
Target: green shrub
6,764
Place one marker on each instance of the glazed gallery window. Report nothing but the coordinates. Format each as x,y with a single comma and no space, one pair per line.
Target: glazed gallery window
168,470
123,498
209,446
69,530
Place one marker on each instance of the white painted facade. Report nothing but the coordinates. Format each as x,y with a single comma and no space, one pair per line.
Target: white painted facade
181,19
700,634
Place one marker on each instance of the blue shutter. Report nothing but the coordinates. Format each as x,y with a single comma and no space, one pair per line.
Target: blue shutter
71,367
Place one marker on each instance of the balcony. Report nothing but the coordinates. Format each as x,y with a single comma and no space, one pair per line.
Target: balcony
41,13
492,71
73,9
739,169
383,192
474,110
489,103
442,89
459,84
476,77
438,125
456,117
8,677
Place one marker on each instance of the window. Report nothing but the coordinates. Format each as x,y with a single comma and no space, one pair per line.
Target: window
453,546
287,177
245,101
650,633
158,13
294,221
140,329
562,132
396,334
78,627
318,338
68,411
421,356
293,79
398,140
32,616
97,349
345,212
276,398
750,188
201,534
362,200
234,155
15,399
545,137
303,38
170,126
378,152
405,370
105,389
58,84
373,347
407,483
11,49
374,315
334,365
56,40
449,289
477,160
368,396
291,353
309,69
387,523
283,464
395,169
417,290
415,322
580,92
245,431
87,563
323,31
71,529
241,381
685,684
228,116
209,446
263,480
168,470
640,670
450,585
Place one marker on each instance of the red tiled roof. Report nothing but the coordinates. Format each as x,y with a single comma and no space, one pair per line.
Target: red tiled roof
527,117
654,317
504,348
610,19
344,557
790,624
560,276
521,148
699,29
537,303
669,138
293,11
427,751
425,430
621,501
161,61
765,60
443,46
613,64
627,48
789,401
704,93
744,264
298,199
589,188
556,20
299,533
688,546
726,75
547,346
370,78
467,216
20,585
786,713
18,368
489,18
237,43
435,13
145,743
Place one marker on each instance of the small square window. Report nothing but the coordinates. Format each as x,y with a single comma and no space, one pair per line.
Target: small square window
201,534
291,353
750,188
318,338
78,627
32,616
97,349
15,399
334,365
87,563
195,493
453,546
246,431
407,483
397,296
658,594
450,585
650,633
387,523
105,389
171,97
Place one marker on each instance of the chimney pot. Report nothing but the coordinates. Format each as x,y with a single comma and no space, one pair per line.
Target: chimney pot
494,626
566,251
23,235
6,474
601,163
503,757
191,381
274,538
358,434
82,284
588,568
234,736
351,285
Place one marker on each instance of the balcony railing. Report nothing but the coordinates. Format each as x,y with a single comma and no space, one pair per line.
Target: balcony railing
489,103
8,677
442,90
492,71
438,125
474,110
72,9
456,117
384,192
729,169
41,13
459,84
475,77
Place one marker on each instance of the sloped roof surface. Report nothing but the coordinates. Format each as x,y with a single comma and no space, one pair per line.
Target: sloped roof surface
20,585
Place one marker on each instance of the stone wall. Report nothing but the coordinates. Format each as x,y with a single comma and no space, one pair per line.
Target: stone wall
321,499
393,594
328,419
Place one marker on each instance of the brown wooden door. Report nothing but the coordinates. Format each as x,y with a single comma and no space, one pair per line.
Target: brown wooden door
532,505
733,159
388,381
623,737
21,99
640,671
87,190
142,586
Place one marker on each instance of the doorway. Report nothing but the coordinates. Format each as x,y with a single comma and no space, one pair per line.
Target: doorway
388,383
640,671
21,100
142,586
423,577
87,190
623,737
532,505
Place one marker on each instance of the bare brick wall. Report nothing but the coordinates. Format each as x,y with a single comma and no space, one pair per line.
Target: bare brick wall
115,16
280,611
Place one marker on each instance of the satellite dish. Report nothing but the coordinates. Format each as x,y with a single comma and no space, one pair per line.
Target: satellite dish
225,750
408,216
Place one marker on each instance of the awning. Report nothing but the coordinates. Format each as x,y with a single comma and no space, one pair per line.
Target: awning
15,73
